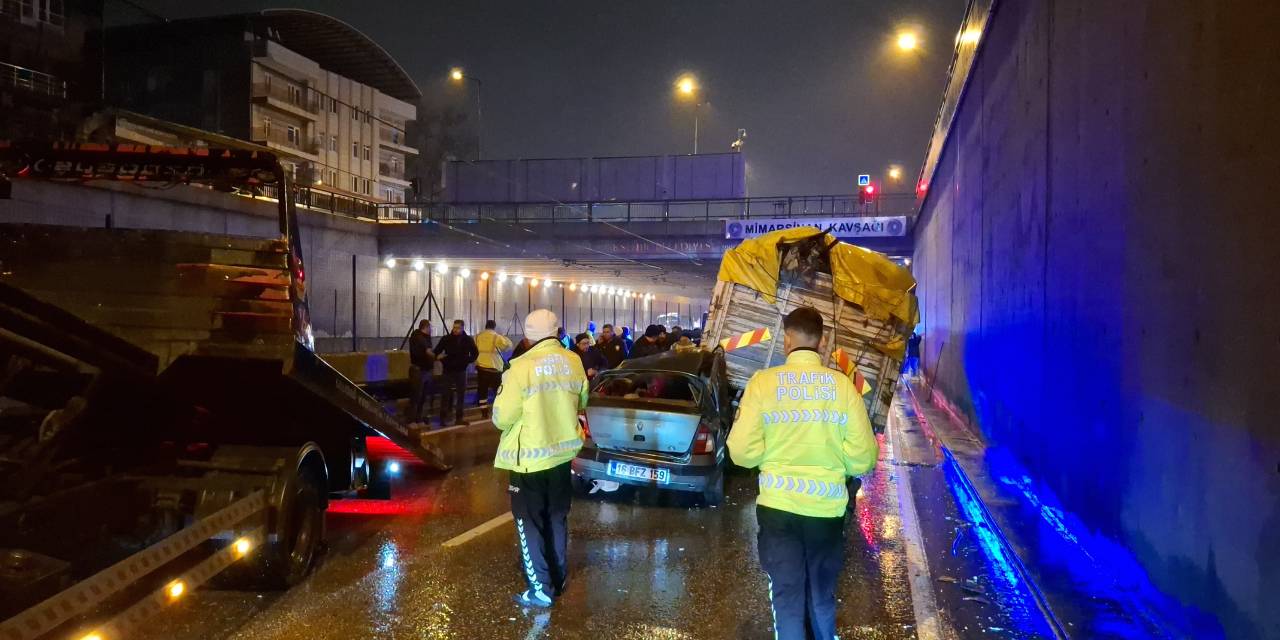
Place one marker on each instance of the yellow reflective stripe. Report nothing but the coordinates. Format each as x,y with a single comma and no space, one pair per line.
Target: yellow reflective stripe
804,486
535,453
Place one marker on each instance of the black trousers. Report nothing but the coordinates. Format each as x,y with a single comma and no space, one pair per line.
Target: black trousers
540,505
803,557
453,387
420,392
486,380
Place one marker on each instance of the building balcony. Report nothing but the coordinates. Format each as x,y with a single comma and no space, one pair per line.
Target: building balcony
280,138
291,99
394,139
387,170
36,82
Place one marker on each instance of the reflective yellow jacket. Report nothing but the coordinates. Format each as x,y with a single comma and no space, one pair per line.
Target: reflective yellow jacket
537,409
807,429
491,344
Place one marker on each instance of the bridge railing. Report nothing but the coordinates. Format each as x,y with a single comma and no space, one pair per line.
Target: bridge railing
895,204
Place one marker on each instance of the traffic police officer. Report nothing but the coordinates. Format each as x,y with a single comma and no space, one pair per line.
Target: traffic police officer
537,411
806,427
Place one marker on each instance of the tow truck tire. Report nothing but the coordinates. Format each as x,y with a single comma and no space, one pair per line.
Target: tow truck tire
300,532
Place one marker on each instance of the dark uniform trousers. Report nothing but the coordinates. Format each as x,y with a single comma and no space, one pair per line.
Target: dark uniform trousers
486,380
540,505
453,390
803,557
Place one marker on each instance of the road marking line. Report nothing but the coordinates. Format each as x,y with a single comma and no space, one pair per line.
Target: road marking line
928,623
477,531
435,432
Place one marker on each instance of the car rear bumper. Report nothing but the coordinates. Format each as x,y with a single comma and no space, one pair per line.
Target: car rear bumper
697,474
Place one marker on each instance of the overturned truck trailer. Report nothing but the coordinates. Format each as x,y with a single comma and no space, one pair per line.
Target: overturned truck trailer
867,302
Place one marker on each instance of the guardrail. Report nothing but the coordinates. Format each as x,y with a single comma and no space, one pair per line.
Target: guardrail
896,204
32,80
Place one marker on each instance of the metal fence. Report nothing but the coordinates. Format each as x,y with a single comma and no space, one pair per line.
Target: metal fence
898,204
31,80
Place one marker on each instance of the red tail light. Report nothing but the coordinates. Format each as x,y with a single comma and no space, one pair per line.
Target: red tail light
704,441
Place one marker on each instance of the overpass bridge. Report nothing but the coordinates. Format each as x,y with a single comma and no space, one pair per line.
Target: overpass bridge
667,231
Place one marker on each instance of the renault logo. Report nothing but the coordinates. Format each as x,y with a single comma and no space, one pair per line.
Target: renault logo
639,426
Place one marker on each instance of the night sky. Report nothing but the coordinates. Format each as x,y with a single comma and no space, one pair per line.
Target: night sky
818,86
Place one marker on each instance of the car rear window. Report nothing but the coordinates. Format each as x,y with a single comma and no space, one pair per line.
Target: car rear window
647,384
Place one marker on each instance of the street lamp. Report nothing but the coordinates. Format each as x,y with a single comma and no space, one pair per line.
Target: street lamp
687,89
457,75
908,41
895,173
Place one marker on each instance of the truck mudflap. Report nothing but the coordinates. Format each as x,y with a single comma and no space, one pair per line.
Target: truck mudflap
244,517
314,374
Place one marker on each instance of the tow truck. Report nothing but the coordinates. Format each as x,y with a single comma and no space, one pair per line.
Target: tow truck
164,418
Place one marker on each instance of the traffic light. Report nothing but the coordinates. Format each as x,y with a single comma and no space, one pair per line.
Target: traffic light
866,194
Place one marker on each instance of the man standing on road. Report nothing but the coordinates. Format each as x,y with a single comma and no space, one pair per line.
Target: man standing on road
490,364
648,344
422,363
806,427
457,351
610,346
537,411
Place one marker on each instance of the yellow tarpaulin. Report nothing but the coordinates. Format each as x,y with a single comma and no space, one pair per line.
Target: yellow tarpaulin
868,279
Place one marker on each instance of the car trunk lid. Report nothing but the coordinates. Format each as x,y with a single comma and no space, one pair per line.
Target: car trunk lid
665,426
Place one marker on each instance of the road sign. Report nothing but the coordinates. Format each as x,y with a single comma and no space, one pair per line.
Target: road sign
864,179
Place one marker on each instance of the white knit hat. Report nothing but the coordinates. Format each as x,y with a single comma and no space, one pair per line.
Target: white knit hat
542,323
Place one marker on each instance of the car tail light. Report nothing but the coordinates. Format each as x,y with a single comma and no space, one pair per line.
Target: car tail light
704,441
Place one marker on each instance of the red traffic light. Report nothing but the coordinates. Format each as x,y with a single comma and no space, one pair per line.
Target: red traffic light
871,189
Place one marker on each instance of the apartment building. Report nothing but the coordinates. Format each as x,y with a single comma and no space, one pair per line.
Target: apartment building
329,100
44,76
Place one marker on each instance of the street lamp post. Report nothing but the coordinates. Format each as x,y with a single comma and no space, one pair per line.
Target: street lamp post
458,75
687,88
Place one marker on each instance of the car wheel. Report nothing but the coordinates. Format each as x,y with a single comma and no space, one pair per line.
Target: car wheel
713,494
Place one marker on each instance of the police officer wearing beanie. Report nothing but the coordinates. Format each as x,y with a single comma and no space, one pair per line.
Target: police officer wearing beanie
806,427
537,411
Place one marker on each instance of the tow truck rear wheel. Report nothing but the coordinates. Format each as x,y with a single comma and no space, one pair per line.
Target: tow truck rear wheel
299,531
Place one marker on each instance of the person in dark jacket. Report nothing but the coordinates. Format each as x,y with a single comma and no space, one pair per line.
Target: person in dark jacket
610,346
521,347
422,363
627,340
457,351
593,361
649,343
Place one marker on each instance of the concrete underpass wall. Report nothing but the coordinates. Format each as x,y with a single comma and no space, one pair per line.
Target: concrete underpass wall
385,299
1097,259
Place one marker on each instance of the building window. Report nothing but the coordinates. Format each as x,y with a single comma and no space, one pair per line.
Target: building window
295,94
355,184
355,150
333,143
292,134
355,114
368,154
266,126
49,12
333,105
333,178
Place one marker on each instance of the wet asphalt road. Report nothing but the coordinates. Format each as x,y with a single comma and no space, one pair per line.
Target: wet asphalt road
642,565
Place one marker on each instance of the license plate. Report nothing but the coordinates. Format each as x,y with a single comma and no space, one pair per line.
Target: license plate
637,472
